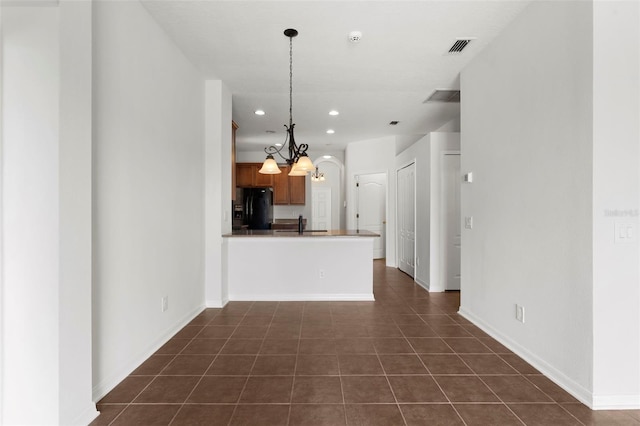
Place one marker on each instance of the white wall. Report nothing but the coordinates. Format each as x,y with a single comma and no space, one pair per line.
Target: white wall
148,189
552,157
46,229
30,216
373,156
616,140
427,155
526,131
75,157
217,190
452,126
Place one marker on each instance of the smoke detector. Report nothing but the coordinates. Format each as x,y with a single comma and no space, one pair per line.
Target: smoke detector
355,36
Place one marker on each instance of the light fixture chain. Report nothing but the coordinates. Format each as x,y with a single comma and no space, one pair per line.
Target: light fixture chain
290,81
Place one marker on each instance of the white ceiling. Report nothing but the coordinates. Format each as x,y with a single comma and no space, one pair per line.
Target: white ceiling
401,59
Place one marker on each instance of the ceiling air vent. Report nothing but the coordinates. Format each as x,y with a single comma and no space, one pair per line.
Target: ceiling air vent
444,96
459,45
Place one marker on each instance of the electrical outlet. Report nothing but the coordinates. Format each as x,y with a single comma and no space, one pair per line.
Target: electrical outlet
165,303
321,273
520,313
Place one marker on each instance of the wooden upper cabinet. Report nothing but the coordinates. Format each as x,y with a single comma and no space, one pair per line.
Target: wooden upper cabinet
260,179
281,186
247,176
297,191
286,189
244,174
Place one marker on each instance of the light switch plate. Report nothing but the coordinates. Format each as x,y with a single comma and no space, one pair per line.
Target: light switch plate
520,313
468,177
468,222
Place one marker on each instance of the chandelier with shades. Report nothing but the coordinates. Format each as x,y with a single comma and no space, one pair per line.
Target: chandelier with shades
297,154
317,176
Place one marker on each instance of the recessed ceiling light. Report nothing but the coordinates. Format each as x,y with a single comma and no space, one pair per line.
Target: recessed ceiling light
270,131
259,112
326,157
278,144
334,112
330,131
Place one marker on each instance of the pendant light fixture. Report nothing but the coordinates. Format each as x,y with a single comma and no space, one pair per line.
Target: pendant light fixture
297,158
317,176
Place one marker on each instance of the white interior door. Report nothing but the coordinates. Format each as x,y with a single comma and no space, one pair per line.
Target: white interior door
321,208
406,219
451,220
371,195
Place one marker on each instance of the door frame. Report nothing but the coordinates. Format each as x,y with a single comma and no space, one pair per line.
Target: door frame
413,161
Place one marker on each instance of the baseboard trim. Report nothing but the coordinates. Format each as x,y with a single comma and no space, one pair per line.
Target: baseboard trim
422,284
105,386
616,402
216,303
87,415
576,390
368,297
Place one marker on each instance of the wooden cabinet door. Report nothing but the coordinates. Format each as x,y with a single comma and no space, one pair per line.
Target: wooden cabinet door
259,179
281,186
244,175
297,189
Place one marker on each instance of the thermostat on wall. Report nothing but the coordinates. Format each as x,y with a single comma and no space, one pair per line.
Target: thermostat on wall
468,177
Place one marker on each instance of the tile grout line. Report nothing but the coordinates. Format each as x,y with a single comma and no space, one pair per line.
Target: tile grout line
210,364
395,398
435,381
155,376
438,384
344,404
295,364
493,392
557,403
235,408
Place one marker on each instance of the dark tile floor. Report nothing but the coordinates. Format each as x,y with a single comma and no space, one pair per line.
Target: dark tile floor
405,359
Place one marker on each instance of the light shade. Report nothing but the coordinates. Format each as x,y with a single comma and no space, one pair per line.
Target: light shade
270,167
304,163
297,171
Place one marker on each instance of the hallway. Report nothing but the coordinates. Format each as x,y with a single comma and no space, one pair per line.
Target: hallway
407,358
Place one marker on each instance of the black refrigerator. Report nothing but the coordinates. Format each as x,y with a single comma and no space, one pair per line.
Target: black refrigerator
257,207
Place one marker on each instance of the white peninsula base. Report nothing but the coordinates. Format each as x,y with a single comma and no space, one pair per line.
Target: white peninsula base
286,267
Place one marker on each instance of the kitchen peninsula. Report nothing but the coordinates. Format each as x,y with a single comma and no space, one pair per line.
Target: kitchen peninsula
285,265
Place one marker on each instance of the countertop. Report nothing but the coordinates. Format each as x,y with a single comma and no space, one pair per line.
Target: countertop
310,233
